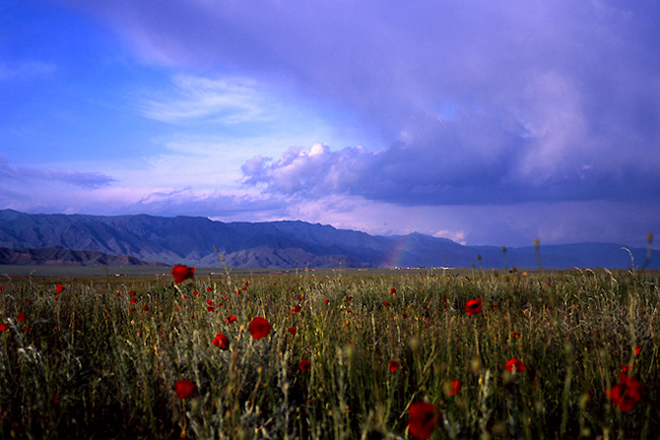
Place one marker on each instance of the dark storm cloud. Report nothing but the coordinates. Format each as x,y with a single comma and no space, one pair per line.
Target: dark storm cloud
480,101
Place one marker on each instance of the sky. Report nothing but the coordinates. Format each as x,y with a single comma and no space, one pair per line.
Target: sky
489,123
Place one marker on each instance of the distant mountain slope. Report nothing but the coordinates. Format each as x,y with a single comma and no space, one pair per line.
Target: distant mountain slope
57,256
282,244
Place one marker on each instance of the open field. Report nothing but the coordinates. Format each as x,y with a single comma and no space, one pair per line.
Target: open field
344,354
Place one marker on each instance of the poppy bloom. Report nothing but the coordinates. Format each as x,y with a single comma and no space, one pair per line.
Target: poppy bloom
326,301
301,297
392,291
181,273
626,393
230,319
131,293
393,366
386,304
515,335
210,308
515,363
59,288
259,327
208,288
637,350
221,341
3,327
293,330
145,308
209,302
305,365
422,417
473,306
21,317
295,309
452,388
185,389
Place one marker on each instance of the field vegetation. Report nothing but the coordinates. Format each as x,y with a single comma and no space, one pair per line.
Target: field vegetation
332,355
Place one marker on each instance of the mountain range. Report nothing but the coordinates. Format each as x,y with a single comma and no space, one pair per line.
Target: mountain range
281,244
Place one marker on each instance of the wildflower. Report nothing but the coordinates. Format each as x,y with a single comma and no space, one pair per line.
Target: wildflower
21,317
230,319
386,304
132,309
392,291
133,301
301,297
473,306
452,388
393,366
637,350
221,341
210,308
59,288
3,327
131,293
516,364
259,327
185,389
195,293
295,309
305,365
208,288
405,316
293,330
326,301
145,308
422,417
626,393
515,335
181,273
209,302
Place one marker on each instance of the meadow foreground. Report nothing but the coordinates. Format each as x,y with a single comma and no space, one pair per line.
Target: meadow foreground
406,354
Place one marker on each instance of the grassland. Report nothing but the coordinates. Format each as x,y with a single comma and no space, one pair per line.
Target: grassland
96,361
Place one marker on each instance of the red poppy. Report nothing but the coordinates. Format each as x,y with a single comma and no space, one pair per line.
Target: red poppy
326,301
133,301
305,365
195,293
21,317
210,308
181,273
230,319
515,335
422,417
131,293
625,368
295,309
515,363
452,388
386,304
293,330
473,306
3,327
145,308
626,393
405,316
132,309
393,366
209,302
259,327
301,297
59,288
185,389
221,341
208,288
637,350
392,291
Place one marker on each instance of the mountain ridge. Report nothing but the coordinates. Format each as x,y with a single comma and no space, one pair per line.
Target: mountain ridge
283,244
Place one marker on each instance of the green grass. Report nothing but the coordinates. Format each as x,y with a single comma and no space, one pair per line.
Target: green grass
83,365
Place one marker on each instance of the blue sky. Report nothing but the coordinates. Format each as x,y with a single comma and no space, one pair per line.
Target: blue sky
484,122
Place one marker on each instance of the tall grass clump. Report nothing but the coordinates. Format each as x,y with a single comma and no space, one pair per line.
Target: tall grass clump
332,355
